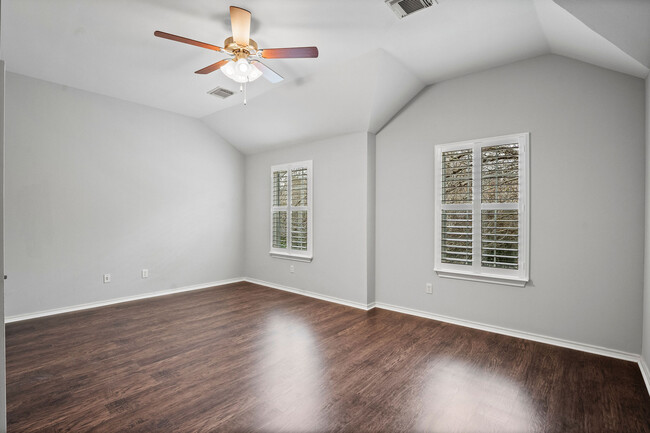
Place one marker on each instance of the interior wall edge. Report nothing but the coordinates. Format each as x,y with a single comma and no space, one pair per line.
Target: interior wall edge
3,378
310,294
645,333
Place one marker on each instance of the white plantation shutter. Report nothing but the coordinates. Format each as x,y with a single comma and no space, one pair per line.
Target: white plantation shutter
456,199
500,221
291,211
482,210
299,208
280,191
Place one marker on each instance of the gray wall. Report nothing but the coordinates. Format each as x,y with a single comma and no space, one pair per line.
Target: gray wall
587,199
646,291
96,185
339,267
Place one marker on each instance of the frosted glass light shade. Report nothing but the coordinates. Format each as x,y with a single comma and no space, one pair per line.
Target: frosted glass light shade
241,71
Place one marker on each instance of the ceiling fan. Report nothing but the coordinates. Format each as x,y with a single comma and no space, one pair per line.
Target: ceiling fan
243,64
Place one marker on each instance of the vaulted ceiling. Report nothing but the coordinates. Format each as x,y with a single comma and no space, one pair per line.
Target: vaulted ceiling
371,63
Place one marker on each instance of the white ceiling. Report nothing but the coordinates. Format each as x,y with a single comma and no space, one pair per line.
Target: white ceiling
370,64
570,37
626,23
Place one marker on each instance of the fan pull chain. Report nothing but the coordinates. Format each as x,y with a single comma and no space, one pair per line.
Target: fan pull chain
245,93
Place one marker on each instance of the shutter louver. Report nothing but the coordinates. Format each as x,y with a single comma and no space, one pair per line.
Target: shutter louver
280,229
299,230
500,238
456,237
457,176
280,186
500,173
299,186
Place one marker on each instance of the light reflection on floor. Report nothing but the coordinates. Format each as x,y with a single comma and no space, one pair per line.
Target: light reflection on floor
463,398
291,370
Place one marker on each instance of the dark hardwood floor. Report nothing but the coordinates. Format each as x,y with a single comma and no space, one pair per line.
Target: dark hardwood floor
248,358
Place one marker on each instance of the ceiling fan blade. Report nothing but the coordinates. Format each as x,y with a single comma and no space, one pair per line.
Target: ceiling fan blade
213,67
289,53
240,19
186,40
267,72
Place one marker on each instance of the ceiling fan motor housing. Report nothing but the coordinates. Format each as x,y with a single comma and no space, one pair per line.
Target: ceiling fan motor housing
239,51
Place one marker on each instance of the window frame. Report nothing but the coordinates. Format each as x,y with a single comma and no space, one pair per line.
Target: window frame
288,253
476,272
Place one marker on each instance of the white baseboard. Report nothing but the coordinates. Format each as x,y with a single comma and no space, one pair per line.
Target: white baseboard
89,305
311,294
645,372
513,333
583,347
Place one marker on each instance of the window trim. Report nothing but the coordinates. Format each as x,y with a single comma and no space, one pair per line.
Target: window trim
509,277
288,253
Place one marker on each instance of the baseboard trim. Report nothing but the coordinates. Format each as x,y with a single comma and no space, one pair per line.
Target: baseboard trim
79,307
583,347
518,334
645,372
315,295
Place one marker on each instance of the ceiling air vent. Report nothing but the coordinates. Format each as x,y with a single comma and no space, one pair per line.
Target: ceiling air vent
403,8
220,92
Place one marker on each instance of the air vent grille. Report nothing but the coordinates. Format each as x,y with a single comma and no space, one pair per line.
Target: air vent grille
220,92
403,8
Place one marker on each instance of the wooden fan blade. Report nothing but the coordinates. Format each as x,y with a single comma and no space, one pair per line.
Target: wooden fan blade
267,72
289,53
213,67
240,20
186,40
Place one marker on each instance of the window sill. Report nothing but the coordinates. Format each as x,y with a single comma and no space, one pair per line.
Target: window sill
307,259
493,279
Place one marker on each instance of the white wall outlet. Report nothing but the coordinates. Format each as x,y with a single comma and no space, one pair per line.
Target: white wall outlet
292,269
429,288
107,278
145,273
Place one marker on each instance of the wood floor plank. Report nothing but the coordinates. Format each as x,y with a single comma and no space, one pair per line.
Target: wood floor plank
244,357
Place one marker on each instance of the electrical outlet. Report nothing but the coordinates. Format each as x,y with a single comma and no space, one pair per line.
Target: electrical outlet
291,269
145,273
429,288
107,278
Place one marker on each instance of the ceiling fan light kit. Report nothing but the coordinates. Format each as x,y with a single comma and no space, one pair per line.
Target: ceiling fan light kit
241,71
240,48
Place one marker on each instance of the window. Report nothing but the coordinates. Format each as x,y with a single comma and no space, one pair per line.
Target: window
291,215
481,201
